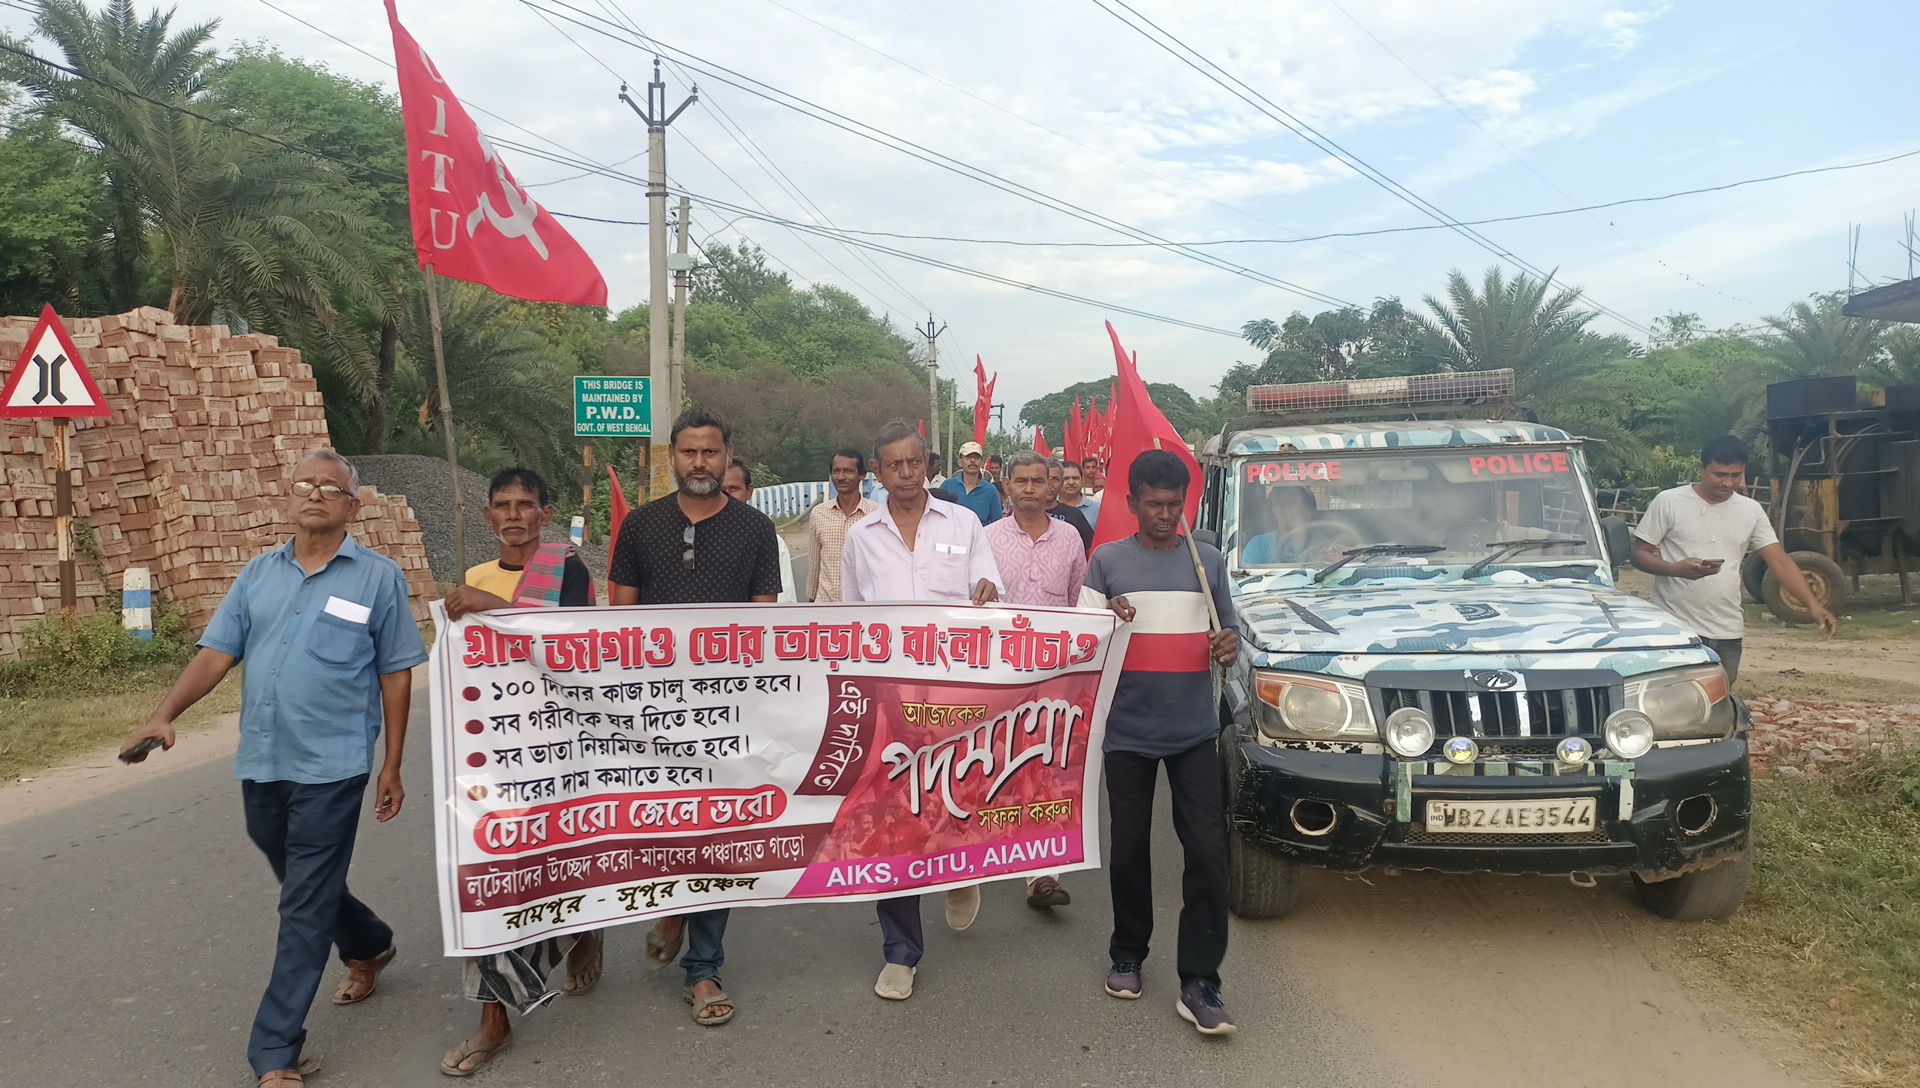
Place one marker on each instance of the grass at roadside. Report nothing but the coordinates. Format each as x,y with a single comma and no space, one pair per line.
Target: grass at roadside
49,720
1828,942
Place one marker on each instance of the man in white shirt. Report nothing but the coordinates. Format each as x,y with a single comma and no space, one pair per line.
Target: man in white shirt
739,484
1693,539
914,549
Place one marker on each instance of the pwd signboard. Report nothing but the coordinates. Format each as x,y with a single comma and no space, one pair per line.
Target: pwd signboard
612,408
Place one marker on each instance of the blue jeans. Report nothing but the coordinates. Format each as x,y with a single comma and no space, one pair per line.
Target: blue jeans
706,951
306,832
902,941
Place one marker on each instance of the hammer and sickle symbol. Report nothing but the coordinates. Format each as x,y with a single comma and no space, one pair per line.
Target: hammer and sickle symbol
518,223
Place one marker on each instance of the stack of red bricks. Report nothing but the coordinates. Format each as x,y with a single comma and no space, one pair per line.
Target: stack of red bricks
188,478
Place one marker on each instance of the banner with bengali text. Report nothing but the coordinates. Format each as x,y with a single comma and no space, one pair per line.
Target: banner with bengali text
604,765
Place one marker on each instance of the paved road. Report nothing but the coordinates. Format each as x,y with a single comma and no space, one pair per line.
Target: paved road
139,924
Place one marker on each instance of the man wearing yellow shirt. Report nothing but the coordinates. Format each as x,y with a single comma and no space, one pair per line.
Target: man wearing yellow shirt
518,508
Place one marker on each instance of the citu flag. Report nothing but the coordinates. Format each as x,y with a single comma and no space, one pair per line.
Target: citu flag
1138,425
619,502
471,220
983,400
1040,442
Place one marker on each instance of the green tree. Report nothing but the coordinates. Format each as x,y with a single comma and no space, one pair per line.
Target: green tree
1814,339
1189,416
53,206
241,230
1333,345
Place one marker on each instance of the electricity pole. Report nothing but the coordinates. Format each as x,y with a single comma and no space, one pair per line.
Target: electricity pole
663,408
933,381
681,265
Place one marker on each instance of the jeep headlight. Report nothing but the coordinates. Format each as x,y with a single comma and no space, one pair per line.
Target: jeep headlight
1298,707
1684,704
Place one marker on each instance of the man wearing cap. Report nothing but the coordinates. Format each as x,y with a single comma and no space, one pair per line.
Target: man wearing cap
971,488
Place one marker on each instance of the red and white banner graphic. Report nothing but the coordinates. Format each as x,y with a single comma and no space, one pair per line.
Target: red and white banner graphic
609,765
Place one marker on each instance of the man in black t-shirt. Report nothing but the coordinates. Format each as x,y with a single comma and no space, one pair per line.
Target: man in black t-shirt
696,546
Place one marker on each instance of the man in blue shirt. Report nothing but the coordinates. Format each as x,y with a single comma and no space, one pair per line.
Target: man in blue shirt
328,640
971,488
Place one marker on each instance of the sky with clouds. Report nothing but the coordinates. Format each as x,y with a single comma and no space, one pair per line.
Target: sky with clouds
1481,108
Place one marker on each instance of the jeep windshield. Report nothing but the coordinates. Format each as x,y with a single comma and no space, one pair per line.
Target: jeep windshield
1308,510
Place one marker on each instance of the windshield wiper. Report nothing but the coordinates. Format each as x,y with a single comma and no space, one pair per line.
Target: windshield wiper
1505,548
1352,554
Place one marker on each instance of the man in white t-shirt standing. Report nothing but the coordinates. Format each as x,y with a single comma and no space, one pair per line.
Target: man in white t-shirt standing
1693,539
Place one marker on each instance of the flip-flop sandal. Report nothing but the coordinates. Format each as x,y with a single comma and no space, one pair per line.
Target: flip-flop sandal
572,989
484,1053
363,973
659,955
701,1004
281,1078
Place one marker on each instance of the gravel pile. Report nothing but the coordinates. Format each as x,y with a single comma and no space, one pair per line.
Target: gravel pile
423,480
1795,737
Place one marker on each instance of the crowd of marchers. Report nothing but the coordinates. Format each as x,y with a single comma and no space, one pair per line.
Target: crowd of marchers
328,644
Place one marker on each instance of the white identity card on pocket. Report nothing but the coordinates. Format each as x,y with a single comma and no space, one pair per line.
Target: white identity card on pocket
347,610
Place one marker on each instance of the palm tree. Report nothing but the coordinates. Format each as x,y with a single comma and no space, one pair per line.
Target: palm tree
1814,339
511,389
238,228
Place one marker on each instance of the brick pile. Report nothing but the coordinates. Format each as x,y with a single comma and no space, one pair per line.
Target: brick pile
1796,737
188,477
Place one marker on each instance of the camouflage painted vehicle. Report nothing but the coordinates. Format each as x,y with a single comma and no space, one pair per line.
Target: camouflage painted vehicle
1440,672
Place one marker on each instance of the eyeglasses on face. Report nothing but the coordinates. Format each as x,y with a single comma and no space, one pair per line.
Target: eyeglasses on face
686,557
306,488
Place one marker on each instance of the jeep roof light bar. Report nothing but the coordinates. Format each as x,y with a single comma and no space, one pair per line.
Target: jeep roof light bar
1421,391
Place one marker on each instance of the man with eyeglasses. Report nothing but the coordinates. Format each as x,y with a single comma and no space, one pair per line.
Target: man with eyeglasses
329,645
698,545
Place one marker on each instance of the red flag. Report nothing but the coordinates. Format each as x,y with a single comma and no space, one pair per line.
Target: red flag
1138,426
619,512
471,220
983,400
923,430
1040,442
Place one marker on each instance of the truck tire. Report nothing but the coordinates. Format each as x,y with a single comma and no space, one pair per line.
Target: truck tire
1753,575
1699,896
1259,885
1824,577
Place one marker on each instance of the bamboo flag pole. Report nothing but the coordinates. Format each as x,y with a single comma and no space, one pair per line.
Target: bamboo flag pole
1193,549
446,424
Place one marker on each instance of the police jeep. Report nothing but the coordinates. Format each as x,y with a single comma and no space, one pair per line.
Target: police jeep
1440,672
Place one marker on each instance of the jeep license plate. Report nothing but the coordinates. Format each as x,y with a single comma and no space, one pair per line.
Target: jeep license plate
1546,817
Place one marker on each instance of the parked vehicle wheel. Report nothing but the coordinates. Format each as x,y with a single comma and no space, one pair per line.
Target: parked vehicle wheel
1699,896
1259,885
1753,575
1824,577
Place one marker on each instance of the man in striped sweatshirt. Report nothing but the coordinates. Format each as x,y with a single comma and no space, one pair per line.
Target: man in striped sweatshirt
1163,712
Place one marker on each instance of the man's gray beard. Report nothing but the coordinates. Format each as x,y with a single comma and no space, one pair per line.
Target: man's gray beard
700,488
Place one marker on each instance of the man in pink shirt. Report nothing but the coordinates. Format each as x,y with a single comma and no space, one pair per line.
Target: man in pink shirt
911,549
1044,564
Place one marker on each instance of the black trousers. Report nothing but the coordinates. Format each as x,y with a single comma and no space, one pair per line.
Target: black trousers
1729,650
1193,780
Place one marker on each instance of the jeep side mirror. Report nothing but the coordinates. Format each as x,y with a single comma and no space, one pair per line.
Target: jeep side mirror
1619,542
1206,536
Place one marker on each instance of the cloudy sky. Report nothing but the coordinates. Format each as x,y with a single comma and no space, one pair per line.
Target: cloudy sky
1481,108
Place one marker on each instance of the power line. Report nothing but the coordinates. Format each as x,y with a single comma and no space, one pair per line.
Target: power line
721,74
1192,58
1515,155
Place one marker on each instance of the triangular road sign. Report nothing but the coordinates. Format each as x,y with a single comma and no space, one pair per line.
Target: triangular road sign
51,381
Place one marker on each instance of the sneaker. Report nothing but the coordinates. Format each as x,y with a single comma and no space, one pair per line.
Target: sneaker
1123,981
1047,892
1200,1006
963,906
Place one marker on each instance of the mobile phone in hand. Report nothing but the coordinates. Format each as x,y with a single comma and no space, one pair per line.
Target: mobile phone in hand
1716,564
139,751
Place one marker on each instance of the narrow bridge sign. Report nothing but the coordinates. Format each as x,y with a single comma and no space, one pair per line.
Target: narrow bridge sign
51,381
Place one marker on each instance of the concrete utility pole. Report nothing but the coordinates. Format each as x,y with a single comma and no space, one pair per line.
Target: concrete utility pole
933,381
664,406
681,264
